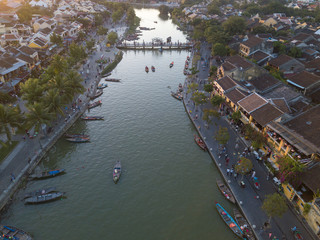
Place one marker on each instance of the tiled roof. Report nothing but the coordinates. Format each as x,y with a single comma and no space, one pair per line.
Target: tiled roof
280,60
235,95
315,63
264,82
226,83
228,66
239,62
304,79
252,42
45,31
25,58
281,104
252,102
4,64
301,37
27,50
259,55
266,114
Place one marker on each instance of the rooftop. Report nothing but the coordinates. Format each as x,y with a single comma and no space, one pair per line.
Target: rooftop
283,91
259,55
264,82
303,79
252,42
239,62
236,95
252,102
282,104
226,83
266,114
280,60
228,66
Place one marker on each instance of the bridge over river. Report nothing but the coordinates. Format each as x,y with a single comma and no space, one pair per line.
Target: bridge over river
153,46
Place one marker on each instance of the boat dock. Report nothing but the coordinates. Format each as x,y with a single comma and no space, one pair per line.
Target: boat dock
150,46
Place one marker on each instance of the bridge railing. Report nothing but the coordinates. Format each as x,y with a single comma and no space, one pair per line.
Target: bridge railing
149,44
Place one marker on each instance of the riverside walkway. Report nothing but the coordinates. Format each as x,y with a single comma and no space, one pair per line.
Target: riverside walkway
249,199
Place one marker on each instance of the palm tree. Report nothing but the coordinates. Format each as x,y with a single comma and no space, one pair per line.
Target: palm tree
37,116
58,65
74,81
9,117
53,102
64,89
32,90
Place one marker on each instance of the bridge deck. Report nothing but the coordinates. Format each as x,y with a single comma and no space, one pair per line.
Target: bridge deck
154,47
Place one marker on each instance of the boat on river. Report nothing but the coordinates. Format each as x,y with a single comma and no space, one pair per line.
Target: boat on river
171,65
68,135
47,174
146,69
226,192
112,79
39,192
44,198
102,86
78,140
106,75
9,232
116,171
92,118
98,94
180,87
231,223
200,143
153,69
94,104
243,224
177,95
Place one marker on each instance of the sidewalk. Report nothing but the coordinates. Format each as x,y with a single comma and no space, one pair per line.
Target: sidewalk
28,153
249,199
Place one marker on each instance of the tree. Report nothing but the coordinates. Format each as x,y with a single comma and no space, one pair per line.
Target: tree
295,52
279,47
274,205
81,35
217,100
208,88
219,49
102,30
37,116
164,10
116,16
53,102
130,15
90,44
192,87
56,39
234,25
32,90
236,116
208,113
9,117
222,136
76,53
98,20
199,98
290,170
25,13
112,37
244,166
213,70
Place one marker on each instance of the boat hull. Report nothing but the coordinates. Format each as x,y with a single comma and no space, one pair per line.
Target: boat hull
226,192
116,172
14,233
44,198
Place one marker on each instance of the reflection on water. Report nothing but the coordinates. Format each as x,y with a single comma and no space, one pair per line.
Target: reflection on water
167,188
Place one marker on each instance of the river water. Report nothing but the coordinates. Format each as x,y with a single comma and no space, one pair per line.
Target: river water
167,189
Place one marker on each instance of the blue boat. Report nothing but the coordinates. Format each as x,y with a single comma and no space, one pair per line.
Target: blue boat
231,223
47,174
9,232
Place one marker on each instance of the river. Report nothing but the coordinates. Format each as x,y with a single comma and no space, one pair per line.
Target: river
167,189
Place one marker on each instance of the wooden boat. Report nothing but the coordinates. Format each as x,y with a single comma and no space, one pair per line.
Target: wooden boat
44,198
92,118
200,143
155,22
146,69
94,104
67,135
188,58
243,224
98,94
78,140
225,191
171,65
116,172
177,96
106,75
102,86
39,192
180,87
9,232
231,223
112,80
47,174
153,69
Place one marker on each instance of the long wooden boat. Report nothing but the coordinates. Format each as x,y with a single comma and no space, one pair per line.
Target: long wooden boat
47,174
180,87
39,192
78,140
146,69
231,223
153,69
177,96
68,135
171,65
102,86
225,191
200,143
98,94
44,198
243,224
92,118
94,104
112,80
9,232
116,172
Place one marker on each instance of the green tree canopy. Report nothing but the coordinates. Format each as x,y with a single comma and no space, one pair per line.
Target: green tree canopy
199,98
90,44
244,166
164,10
32,90
217,100
279,47
112,37
208,87
274,205
56,39
219,49
208,113
295,52
236,116
192,87
290,170
37,116
234,25
102,30
9,117
222,136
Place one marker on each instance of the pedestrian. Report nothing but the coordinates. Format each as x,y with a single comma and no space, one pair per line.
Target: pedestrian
12,177
228,171
227,161
235,175
29,160
231,172
253,174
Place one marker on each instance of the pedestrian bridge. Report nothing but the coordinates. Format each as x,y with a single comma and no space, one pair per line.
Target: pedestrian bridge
153,46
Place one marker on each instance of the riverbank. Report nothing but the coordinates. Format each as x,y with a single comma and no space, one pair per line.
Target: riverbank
29,152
